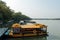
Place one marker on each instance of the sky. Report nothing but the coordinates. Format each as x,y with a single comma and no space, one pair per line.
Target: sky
36,8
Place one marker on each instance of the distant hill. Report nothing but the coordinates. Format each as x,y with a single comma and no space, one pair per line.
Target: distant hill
45,18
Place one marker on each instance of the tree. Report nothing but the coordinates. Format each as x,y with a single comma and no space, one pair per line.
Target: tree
19,16
6,12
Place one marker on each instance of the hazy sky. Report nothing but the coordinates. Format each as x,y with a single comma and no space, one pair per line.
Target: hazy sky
36,8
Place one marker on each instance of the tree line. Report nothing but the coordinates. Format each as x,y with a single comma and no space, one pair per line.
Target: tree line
7,14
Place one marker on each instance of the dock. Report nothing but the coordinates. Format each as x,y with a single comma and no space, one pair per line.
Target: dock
3,31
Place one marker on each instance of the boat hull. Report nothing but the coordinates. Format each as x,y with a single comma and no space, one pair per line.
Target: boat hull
28,35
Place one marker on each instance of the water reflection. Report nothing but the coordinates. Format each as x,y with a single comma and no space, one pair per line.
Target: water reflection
53,37
28,38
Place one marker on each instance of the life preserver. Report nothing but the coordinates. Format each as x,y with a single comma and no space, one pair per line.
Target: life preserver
34,31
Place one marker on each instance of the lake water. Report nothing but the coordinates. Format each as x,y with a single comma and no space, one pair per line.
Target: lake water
53,29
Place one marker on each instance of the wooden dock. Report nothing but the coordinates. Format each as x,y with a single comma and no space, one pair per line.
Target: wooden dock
3,31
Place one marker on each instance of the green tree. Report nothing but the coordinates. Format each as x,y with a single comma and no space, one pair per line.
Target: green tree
5,12
19,16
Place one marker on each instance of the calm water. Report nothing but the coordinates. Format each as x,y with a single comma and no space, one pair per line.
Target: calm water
53,29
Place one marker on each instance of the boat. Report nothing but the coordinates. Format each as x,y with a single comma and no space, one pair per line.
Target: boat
18,30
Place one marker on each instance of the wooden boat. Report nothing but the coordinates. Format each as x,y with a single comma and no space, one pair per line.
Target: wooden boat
18,30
